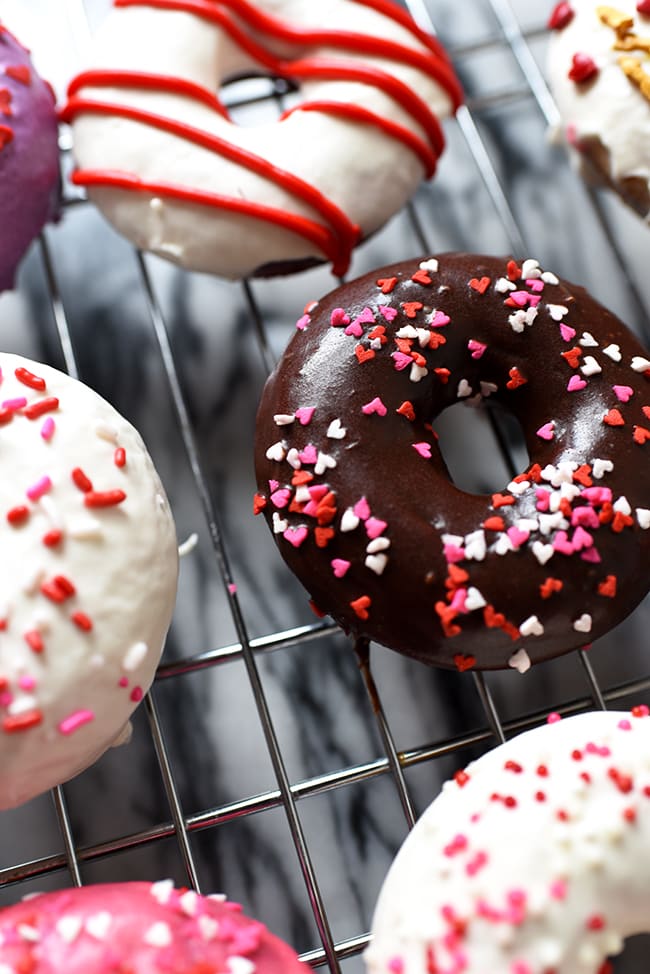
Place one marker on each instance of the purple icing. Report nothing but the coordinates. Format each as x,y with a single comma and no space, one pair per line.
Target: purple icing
29,159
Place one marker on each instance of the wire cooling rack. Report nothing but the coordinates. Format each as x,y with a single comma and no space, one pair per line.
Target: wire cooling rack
497,51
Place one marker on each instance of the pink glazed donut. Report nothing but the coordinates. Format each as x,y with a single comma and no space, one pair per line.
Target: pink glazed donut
139,928
29,155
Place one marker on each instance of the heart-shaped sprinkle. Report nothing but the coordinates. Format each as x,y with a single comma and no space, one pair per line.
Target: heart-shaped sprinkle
421,277
480,285
375,527
374,406
590,366
386,284
550,586
283,419
576,384
463,663
591,555
411,308
607,587
464,389
355,329
561,15
567,332
19,72
98,925
439,319
517,536
601,467
640,364
376,563
363,354
503,285
68,928
583,624
349,520
424,449
377,544
308,455
613,418
387,313
487,388
276,452
303,323
406,410
543,552
530,268
474,600
550,278
304,415
623,393
429,265
362,509
280,524
513,270
641,435
476,348
516,379
547,431
493,619
557,311
335,431
296,536
573,356
280,498
531,627
401,360
360,607
583,68
324,462
520,661
338,318
340,566
643,517
588,341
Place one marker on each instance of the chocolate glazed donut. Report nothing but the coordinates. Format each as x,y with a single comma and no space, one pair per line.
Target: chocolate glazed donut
352,482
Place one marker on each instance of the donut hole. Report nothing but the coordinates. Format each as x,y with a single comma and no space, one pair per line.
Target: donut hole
482,445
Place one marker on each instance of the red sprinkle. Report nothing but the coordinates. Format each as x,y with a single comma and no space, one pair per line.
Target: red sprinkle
463,663
52,538
561,15
20,722
360,606
34,640
502,500
386,284
411,308
6,415
583,68
40,407
119,457
461,778
81,480
18,514
22,73
595,922
82,621
608,587
29,379
6,136
104,498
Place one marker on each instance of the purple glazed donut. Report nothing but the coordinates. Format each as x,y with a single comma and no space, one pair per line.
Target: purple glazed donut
29,159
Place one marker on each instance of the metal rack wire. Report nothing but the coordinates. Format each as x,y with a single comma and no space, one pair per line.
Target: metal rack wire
287,794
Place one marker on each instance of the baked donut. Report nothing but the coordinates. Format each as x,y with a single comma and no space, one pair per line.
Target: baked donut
530,862
29,155
142,928
169,168
598,68
88,580
352,482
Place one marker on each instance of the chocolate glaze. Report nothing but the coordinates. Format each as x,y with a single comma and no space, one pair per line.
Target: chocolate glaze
29,156
410,602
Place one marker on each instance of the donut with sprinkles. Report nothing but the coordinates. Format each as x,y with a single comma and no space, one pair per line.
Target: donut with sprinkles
173,170
142,928
599,71
354,487
530,861
29,155
88,579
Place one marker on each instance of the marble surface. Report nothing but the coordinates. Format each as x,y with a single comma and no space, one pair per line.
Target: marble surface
502,186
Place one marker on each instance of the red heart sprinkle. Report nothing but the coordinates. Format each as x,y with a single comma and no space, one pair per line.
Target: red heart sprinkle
364,354
513,271
561,15
641,435
259,503
494,524
613,418
493,620
516,379
6,136
386,284
322,536
411,308
549,586
583,68
406,409
20,72
646,410
463,663
421,277
360,606
443,375
502,500
457,576
480,286
573,356
5,102
608,587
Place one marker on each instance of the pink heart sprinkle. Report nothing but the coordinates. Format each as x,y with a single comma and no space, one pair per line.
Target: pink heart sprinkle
318,491
274,484
304,414
520,298
439,320
476,348
534,300
339,566
459,600
295,536
374,406
362,509
586,517
517,536
562,544
401,360
303,322
366,317
375,527
354,328
281,497
338,317
310,509
576,383
388,313
568,333
591,555
547,431
309,454
623,393
543,499
581,539
424,449
453,553
535,284
558,889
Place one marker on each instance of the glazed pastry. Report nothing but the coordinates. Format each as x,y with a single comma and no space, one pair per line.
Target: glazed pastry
599,73
354,487
29,155
169,168
145,928
530,862
88,581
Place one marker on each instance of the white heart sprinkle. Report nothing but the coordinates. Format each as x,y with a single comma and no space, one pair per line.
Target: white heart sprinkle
583,624
189,902
464,389
518,486
588,340
134,656
68,928
601,467
26,932
424,336
293,458
429,265
614,352
552,522
283,419
557,311
323,463
208,927
475,545
622,505
276,452
376,563
503,285
530,269
503,545
517,321
280,525
643,517
98,925
543,552
349,520
530,316
377,544
487,388
240,965
590,366
158,935
407,331
550,278
531,627
474,600
335,431
417,373
640,364
520,661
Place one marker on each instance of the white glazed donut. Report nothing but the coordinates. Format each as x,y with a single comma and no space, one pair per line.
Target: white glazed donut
532,861
599,71
88,579
163,160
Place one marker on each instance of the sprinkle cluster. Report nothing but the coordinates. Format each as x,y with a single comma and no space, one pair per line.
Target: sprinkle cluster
560,511
20,74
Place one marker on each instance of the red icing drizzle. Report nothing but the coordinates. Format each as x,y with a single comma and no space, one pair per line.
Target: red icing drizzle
339,238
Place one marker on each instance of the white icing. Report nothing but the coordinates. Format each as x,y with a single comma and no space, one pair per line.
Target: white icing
532,857
123,573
